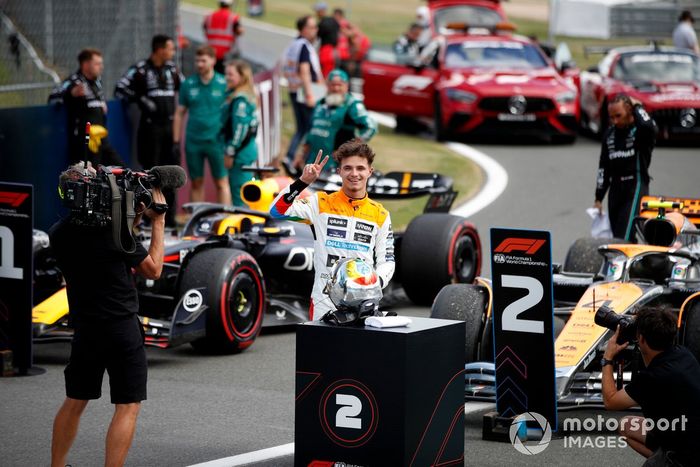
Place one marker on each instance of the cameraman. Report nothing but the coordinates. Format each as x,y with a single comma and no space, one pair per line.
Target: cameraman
108,335
667,388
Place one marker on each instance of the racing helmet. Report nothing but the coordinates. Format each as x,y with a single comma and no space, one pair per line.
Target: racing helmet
354,282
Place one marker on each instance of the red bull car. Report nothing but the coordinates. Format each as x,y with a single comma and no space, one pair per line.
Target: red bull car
665,80
474,81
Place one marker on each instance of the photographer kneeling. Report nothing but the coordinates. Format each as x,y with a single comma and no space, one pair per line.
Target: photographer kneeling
103,304
667,390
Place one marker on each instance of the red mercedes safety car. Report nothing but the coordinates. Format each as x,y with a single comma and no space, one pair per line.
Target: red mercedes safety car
476,80
473,12
665,80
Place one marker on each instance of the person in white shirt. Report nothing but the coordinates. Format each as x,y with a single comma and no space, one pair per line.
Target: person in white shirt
684,36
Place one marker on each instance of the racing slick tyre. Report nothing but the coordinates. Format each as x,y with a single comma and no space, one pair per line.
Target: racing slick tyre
438,249
583,254
235,298
464,302
690,333
441,133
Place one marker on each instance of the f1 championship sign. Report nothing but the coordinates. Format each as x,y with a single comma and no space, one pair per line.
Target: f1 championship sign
523,326
16,272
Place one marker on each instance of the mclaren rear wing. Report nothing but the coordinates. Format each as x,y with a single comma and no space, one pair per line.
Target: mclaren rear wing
690,207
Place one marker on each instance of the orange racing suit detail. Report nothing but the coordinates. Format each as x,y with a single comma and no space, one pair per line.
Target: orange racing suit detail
343,227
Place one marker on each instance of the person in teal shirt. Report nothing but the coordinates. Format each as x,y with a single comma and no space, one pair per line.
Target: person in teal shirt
239,126
201,96
336,119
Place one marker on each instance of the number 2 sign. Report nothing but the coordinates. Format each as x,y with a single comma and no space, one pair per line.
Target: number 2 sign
522,320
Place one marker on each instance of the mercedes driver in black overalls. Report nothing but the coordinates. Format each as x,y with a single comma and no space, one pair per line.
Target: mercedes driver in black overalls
624,163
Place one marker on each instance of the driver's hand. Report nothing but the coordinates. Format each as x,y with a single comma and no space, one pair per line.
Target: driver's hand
599,206
311,172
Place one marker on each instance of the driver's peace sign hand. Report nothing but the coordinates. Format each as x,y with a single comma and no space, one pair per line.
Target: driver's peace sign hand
313,171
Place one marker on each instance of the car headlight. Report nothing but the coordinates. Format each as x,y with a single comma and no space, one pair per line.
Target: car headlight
458,95
567,97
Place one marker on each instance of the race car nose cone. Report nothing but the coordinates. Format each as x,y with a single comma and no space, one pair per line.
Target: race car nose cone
517,105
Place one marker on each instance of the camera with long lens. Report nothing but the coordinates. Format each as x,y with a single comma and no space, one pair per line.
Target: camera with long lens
607,318
109,196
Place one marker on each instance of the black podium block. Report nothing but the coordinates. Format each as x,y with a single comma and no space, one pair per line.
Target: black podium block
380,397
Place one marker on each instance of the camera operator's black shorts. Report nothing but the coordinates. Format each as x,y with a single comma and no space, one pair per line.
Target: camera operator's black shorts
112,345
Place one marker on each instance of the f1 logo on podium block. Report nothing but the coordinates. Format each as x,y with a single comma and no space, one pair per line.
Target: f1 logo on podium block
348,412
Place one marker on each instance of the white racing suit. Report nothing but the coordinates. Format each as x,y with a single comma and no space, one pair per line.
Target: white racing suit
343,228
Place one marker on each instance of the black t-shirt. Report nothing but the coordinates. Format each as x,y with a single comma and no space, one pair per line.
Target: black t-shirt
669,388
305,57
98,275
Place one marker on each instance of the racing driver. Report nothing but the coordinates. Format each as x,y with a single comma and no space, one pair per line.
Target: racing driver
346,224
624,163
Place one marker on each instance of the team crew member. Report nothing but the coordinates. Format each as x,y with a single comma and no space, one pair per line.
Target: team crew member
337,118
202,96
328,31
667,389
407,46
222,28
152,84
684,36
301,67
108,335
85,102
624,163
239,127
347,224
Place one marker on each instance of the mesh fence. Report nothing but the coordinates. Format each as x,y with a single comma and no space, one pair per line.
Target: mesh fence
23,78
59,29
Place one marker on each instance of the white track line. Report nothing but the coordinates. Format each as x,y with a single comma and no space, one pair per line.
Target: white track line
473,407
496,175
251,457
496,180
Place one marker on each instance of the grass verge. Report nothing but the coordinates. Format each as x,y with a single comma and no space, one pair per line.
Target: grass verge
408,153
383,22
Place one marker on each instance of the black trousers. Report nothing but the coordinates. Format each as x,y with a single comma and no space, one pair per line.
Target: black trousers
155,147
623,205
106,155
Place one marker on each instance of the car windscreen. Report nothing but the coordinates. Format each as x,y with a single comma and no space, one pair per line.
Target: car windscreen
493,54
657,66
474,16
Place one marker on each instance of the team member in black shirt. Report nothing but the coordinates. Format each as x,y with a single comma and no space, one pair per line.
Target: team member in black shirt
624,163
108,336
84,100
153,84
667,390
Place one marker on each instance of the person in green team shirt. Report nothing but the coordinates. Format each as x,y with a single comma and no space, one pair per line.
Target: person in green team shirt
239,126
201,96
336,119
